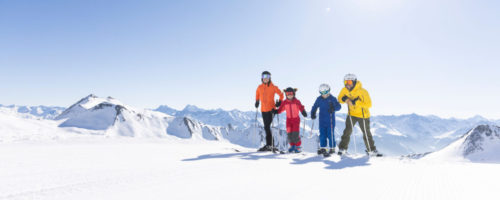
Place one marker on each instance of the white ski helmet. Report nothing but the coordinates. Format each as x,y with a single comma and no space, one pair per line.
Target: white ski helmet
324,89
350,77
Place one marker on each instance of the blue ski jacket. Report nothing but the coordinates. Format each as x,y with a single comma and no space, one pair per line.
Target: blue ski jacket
324,107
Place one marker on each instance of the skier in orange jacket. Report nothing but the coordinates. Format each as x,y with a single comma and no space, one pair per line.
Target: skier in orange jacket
265,94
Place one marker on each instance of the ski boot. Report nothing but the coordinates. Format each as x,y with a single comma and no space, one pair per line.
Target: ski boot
332,151
265,148
291,149
323,152
342,152
298,149
373,153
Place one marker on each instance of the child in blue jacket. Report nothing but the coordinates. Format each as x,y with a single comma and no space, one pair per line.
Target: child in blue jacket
327,105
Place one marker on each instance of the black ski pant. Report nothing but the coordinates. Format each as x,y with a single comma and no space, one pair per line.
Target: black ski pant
367,135
268,119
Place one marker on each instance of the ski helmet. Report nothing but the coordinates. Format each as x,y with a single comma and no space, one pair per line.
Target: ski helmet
324,89
289,89
351,79
266,74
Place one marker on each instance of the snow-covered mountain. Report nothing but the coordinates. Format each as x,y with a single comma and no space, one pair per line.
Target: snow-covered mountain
480,144
114,118
418,134
394,135
43,112
111,117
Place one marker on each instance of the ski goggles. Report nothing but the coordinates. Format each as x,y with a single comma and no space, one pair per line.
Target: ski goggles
348,82
266,76
324,92
289,93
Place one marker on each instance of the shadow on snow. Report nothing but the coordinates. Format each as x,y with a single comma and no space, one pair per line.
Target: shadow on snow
244,156
343,163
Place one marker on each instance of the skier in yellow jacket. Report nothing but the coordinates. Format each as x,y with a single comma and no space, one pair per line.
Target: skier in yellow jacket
359,103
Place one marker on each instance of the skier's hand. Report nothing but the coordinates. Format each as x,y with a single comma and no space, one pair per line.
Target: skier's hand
257,103
278,104
344,98
304,113
274,111
354,101
331,110
313,116
349,102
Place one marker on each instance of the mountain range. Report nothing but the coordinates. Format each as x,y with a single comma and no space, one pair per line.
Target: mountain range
108,117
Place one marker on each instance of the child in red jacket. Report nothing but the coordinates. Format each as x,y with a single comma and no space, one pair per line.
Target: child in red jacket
292,106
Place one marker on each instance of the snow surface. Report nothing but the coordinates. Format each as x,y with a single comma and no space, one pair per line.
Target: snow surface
176,168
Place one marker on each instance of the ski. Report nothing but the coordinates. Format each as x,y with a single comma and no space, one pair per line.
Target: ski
324,153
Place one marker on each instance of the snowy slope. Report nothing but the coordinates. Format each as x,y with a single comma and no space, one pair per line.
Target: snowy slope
193,169
480,144
15,129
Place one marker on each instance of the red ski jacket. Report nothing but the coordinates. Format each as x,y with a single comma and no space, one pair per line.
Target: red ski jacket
292,107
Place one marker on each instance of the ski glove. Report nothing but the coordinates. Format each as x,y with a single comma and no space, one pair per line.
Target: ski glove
304,113
278,104
344,98
313,116
354,101
274,111
332,109
257,103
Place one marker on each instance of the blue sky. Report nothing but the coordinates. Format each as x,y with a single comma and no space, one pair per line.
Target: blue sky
413,56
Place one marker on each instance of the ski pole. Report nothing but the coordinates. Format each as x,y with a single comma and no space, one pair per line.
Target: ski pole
312,128
331,127
352,131
365,132
304,128
272,135
256,122
279,133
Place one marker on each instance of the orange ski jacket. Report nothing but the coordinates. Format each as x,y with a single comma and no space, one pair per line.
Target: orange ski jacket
265,94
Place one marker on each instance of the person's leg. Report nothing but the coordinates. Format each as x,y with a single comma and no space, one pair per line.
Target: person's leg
329,137
295,130
294,138
267,117
367,134
322,136
346,136
289,132
296,141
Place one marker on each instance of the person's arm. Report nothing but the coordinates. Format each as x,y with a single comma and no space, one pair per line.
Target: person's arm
314,108
279,92
302,109
364,100
281,108
337,105
257,96
342,96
